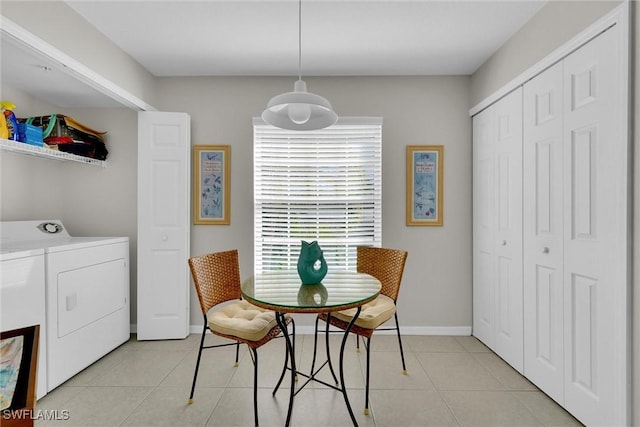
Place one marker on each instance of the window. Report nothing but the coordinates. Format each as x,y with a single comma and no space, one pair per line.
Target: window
323,185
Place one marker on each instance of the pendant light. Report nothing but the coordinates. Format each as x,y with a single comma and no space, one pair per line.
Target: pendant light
299,110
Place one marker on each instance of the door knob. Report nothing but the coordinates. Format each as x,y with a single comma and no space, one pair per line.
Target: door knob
165,238
545,250
503,243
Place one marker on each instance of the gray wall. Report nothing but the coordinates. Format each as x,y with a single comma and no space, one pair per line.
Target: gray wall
102,201
416,110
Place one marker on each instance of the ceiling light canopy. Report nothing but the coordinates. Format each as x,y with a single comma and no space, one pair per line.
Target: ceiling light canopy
299,110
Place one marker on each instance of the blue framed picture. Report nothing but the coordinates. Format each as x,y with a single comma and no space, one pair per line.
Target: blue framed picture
211,186
424,184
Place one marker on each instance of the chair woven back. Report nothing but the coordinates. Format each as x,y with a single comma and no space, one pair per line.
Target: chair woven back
216,277
386,265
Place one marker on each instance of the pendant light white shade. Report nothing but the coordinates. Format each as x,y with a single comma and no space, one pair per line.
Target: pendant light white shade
299,110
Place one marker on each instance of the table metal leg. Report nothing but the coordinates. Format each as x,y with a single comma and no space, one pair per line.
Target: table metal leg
326,344
291,355
291,351
342,385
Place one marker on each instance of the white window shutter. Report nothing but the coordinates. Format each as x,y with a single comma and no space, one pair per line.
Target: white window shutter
323,185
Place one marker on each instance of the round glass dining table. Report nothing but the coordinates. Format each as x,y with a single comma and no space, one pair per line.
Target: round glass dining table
283,292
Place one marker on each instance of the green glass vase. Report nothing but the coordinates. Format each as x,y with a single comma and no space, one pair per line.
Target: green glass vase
311,264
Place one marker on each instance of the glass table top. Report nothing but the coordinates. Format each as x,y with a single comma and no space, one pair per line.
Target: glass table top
283,291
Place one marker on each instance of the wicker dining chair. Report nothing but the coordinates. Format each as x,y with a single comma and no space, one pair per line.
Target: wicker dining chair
216,277
386,265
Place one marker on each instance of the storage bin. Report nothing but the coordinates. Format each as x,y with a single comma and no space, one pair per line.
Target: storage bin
30,134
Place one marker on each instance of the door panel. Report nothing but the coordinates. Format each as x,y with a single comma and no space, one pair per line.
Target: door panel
543,232
163,225
483,225
595,244
508,228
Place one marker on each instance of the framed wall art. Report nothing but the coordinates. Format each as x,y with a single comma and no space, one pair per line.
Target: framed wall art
211,184
424,184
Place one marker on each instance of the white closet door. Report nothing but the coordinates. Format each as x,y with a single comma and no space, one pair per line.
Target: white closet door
483,225
163,225
542,232
595,165
508,229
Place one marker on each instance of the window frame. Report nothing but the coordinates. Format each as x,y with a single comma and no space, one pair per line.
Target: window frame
356,144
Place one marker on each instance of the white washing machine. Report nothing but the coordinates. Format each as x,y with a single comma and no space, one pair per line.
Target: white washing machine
86,281
22,299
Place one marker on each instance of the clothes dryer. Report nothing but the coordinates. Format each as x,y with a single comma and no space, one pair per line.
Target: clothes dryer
86,285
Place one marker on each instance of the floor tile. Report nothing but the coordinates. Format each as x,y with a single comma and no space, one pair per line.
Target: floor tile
489,408
190,342
321,407
458,371
168,406
98,368
141,368
472,344
235,408
217,366
59,397
385,342
393,408
102,406
546,410
504,372
386,372
270,365
434,344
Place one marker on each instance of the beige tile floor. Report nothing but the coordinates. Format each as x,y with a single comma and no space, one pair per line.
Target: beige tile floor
451,381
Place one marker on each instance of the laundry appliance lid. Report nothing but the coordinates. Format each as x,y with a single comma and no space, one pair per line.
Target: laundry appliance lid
49,235
17,253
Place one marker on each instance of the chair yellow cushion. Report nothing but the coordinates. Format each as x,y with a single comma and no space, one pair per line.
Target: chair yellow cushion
372,315
242,319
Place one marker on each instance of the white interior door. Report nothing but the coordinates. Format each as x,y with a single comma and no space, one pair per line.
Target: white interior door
483,227
508,229
163,225
595,238
542,232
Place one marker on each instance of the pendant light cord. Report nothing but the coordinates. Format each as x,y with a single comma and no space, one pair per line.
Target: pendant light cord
299,39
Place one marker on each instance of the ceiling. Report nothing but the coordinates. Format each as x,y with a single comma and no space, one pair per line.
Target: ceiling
260,38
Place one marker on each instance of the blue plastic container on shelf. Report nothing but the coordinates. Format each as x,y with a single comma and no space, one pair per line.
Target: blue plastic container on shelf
30,134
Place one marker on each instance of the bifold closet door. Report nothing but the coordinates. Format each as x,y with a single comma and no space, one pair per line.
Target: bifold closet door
543,232
164,219
483,228
595,215
497,204
508,229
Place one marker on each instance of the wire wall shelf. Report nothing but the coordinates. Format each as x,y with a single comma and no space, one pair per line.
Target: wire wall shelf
32,150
